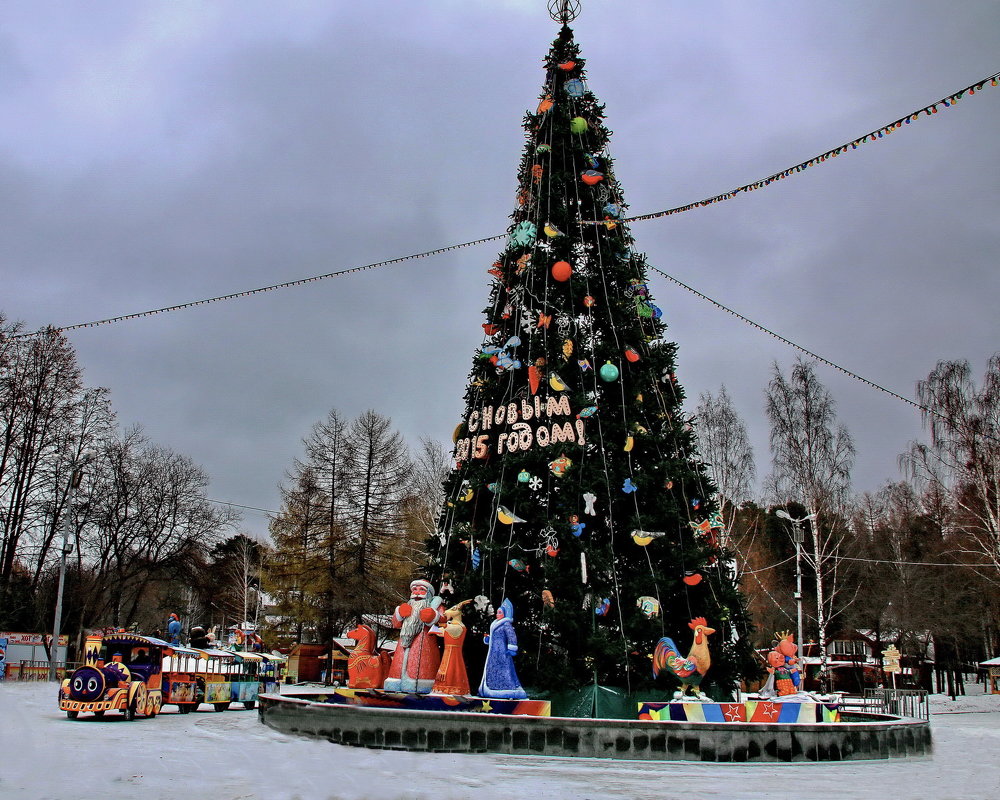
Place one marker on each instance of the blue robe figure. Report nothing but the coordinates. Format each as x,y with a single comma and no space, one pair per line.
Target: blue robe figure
499,677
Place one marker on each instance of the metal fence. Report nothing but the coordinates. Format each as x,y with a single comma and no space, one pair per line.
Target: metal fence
38,670
899,702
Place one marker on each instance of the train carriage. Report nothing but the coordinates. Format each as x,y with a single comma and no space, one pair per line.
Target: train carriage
192,676
252,674
246,682
121,672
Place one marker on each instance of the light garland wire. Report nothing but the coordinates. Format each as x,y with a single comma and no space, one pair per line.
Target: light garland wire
878,133
874,135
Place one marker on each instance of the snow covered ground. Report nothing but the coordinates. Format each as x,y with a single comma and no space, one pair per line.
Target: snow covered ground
231,756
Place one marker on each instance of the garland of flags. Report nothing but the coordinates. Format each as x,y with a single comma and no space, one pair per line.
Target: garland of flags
872,136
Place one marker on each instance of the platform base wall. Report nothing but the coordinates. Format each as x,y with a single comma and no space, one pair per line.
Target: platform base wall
872,736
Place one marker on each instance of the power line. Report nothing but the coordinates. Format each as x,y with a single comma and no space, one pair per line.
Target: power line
912,563
238,505
793,345
873,561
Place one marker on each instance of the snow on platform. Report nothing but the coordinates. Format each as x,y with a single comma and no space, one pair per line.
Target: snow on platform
230,755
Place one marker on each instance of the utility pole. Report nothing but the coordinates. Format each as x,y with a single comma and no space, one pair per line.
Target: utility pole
799,537
76,476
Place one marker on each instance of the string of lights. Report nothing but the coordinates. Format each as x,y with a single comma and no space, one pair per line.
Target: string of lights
262,289
878,133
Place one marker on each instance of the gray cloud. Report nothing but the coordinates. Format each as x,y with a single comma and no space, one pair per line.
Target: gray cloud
161,152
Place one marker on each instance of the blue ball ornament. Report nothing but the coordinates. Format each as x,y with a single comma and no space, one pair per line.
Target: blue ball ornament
575,88
609,372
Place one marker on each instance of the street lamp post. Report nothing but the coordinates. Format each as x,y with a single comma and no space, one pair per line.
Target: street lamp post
799,537
76,476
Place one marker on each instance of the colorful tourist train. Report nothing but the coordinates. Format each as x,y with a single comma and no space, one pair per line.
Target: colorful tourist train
138,675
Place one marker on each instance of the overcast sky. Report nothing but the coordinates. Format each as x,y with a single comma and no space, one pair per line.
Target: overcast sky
153,153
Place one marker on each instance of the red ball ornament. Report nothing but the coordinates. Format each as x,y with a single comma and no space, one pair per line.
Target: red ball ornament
631,355
589,301
591,177
561,270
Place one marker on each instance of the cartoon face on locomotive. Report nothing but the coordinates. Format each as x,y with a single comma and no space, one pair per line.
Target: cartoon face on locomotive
121,672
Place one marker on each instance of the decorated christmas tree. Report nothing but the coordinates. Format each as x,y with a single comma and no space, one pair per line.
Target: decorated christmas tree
577,491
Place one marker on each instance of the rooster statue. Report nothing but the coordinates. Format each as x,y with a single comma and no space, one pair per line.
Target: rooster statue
689,671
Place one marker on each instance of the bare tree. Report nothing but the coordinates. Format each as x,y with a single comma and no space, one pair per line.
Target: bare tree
143,512
93,426
959,469
812,457
725,446
431,466
39,397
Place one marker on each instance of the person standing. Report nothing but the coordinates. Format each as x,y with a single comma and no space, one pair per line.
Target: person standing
174,629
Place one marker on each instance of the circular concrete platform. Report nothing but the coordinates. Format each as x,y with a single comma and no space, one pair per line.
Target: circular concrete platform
859,736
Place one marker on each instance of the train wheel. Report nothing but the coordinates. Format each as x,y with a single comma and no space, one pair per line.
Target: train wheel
221,706
98,713
72,714
184,708
137,699
249,704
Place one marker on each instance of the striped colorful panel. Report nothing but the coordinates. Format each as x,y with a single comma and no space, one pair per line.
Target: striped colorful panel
434,702
750,711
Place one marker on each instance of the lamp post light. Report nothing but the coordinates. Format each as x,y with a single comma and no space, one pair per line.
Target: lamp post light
76,476
799,537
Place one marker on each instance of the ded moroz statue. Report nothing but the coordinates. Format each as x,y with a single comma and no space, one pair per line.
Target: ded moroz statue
417,657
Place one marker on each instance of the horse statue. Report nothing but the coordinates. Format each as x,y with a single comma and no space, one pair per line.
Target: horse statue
367,666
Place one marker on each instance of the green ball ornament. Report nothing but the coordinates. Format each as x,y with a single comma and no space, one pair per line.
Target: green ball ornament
523,476
578,125
609,372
